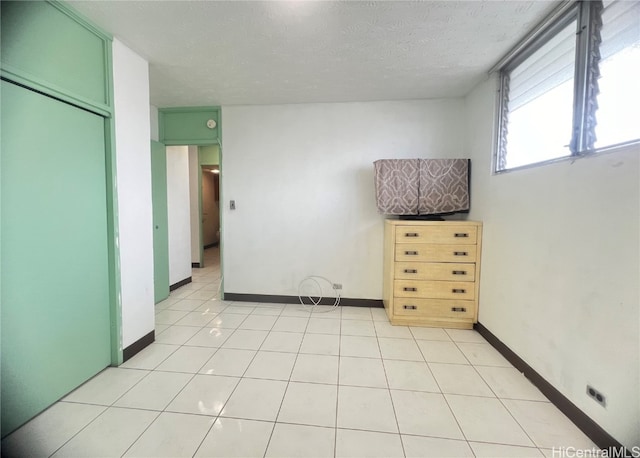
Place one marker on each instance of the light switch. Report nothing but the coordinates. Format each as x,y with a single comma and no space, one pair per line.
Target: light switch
232,205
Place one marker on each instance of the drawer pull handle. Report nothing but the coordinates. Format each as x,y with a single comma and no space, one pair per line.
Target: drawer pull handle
458,291
410,271
461,253
458,309
406,288
410,307
411,253
411,234
461,235
459,272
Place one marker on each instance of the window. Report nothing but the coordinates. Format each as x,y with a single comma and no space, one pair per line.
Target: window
573,87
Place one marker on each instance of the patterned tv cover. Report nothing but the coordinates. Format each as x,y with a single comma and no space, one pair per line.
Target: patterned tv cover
422,186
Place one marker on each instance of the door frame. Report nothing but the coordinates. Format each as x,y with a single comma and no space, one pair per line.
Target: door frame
113,223
197,144
179,130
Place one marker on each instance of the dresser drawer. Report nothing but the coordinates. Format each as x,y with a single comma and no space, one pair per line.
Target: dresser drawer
458,235
435,308
423,252
434,271
434,289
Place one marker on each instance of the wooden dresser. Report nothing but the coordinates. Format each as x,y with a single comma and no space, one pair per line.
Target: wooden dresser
432,272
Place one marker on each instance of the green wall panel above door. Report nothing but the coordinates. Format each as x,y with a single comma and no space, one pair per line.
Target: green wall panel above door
188,126
47,46
209,155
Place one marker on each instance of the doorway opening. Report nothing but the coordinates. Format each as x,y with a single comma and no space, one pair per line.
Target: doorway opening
210,191
192,191
204,184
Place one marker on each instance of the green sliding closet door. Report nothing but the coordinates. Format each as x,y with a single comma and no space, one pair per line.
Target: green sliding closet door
160,221
54,263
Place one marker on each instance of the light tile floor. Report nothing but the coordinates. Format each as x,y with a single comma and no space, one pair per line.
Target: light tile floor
233,379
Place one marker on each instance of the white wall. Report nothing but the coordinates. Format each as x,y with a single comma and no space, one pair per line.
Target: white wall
560,269
178,213
194,203
302,179
135,219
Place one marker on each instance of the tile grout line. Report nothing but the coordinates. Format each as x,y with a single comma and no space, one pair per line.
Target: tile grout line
496,396
445,398
80,430
142,433
386,378
215,419
275,421
335,433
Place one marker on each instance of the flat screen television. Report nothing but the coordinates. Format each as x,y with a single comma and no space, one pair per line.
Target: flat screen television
422,189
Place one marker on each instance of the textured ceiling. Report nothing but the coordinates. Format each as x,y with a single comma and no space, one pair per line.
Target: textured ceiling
272,52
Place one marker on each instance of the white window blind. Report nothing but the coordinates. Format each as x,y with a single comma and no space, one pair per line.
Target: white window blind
540,101
618,102
545,69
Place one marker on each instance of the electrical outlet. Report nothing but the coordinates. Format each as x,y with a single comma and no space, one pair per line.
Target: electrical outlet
337,286
597,396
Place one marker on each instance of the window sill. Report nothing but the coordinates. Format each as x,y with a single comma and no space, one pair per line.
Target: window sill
621,147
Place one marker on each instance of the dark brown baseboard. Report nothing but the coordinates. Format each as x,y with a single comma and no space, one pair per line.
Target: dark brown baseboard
595,432
138,346
175,286
270,298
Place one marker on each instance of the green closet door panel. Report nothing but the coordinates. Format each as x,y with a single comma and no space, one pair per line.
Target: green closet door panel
54,265
42,43
160,221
